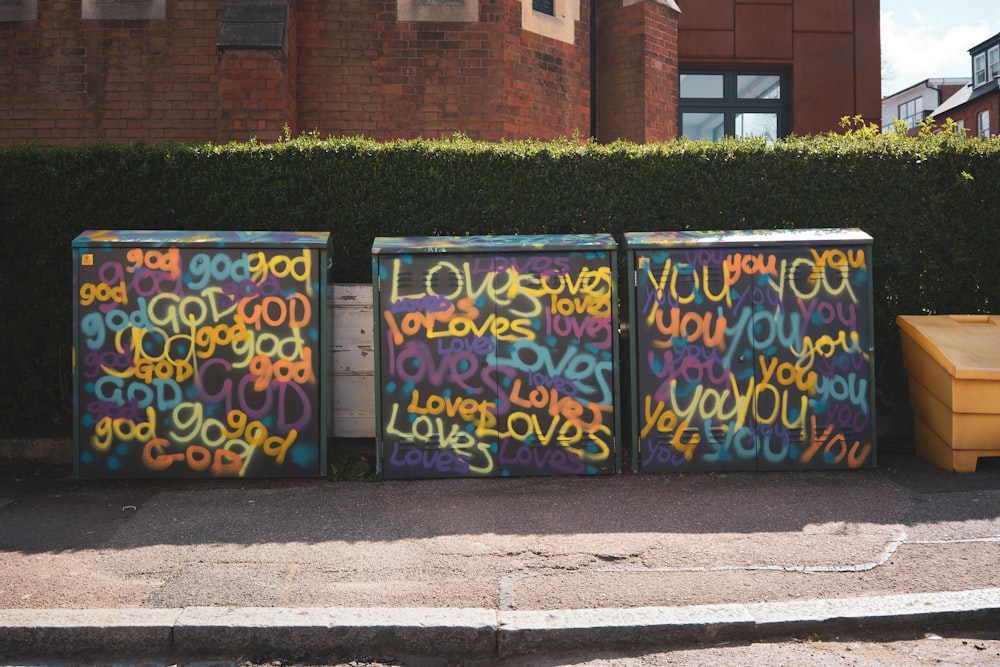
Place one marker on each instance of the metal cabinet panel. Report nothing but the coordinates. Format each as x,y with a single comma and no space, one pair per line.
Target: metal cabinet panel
352,365
200,354
751,350
496,356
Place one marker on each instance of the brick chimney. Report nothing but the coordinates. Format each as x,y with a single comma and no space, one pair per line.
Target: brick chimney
637,70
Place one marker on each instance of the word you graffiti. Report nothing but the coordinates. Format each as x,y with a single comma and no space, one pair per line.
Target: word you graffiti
753,357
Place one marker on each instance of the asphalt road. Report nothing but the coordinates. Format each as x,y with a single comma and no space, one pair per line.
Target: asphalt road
932,649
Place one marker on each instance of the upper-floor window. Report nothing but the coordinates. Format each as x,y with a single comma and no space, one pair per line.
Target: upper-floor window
717,104
544,6
912,111
555,19
986,65
979,68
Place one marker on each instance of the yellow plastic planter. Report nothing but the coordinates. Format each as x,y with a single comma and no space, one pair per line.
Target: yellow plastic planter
953,362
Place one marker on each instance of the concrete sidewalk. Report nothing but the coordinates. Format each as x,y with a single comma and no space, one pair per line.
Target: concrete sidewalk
476,570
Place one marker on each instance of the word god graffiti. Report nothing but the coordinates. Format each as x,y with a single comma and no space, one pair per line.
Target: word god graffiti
199,355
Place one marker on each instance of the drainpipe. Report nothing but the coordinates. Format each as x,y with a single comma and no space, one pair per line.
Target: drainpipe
593,69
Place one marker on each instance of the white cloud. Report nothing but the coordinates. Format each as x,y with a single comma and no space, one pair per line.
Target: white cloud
916,46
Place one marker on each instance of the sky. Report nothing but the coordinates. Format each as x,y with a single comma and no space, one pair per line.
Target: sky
930,39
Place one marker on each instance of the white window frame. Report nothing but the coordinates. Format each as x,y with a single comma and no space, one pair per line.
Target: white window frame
993,62
983,124
979,69
911,111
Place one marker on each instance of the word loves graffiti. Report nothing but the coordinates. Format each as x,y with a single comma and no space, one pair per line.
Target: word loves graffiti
497,363
197,360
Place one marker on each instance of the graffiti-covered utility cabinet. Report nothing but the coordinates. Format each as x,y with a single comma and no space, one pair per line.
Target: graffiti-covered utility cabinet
497,355
751,350
200,354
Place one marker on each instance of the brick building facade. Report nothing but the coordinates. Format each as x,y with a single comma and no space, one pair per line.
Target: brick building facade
976,107
74,71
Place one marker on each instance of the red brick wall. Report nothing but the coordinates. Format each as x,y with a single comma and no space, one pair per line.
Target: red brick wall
546,91
362,72
337,83
636,71
661,72
968,113
256,95
64,80
351,68
620,57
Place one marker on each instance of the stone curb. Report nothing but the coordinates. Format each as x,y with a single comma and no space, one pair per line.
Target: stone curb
651,628
36,450
472,634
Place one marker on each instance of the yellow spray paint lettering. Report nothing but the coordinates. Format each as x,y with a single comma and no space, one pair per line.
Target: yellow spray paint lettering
273,311
264,369
430,430
692,327
168,261
101,293
787,374
298,268
468,409
108,430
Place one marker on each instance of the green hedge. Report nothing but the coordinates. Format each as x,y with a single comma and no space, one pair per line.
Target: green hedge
931,202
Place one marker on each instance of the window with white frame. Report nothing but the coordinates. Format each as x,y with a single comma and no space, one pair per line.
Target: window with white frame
979,68
993,59
911,111
983,123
